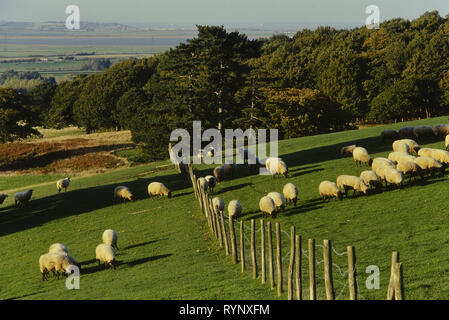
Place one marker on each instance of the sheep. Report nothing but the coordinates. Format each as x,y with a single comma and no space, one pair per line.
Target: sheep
410,167
211,183
446,142
58,247
421,132
210,153
381,162
124,193
393,176
63,184
412,144
401,146
229,169
219,173
441,130
269,160
22,197
329,189
110,237
278,199
158,189
290,192
361,155
234,208
347,182
278,167
397,156
3,196
406,132
389,135
425,152
429,164
371,179
218,204
56,262
267,206
348,149
202,184
442,156
105,253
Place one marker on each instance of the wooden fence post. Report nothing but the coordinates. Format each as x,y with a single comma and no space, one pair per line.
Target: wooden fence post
278,258
218,224
291,263
298,267
253,249
398,282
262,250
242,246
270,255
233,240
328,280
312,282
352,273
225,234
394,260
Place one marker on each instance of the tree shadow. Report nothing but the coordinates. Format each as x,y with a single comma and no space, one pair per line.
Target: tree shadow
147,259
142,244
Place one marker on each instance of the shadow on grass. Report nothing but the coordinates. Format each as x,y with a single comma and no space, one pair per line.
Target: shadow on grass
232,188
78,201
142,244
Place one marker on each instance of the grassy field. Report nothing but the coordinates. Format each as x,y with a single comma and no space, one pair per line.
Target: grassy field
167,253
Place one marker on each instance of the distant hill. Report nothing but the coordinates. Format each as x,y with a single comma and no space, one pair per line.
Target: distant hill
55,26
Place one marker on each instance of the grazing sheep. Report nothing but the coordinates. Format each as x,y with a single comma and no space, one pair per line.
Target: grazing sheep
406,132
393,176
110,237
381,162
58,247
158,189
348,149
389,135
425,152
371,179
211,183
105,253
22,197
219,173
269,160
397,156
290,192
267,206
446,142
361,155
441,130
442,156
421,132
429,164
278,199
63,184
278,167
122,192
401,146
203,184
229,169
218,204
329,189
56,262
411,168
347,182
234,208
3,196
412,144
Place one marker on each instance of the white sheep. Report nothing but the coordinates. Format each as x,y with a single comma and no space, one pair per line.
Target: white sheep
401,146
267,206
393,176
124,193
361,155
429,164
347,182
290,192
423,131
371,179
58,247
110,237
105,253
441,130
412,144
442,156
234,208
202,184
278,199
446,142
63,184
219,173
22,197
381,162
389,134
56,262
277,167
211,183
156,189
397,156
218,204
348,149
406,132
411,168
329,189
3,196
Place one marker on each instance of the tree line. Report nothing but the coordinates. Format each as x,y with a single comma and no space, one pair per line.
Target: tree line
317,81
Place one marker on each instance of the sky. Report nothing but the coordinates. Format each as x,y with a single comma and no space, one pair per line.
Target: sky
263,14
